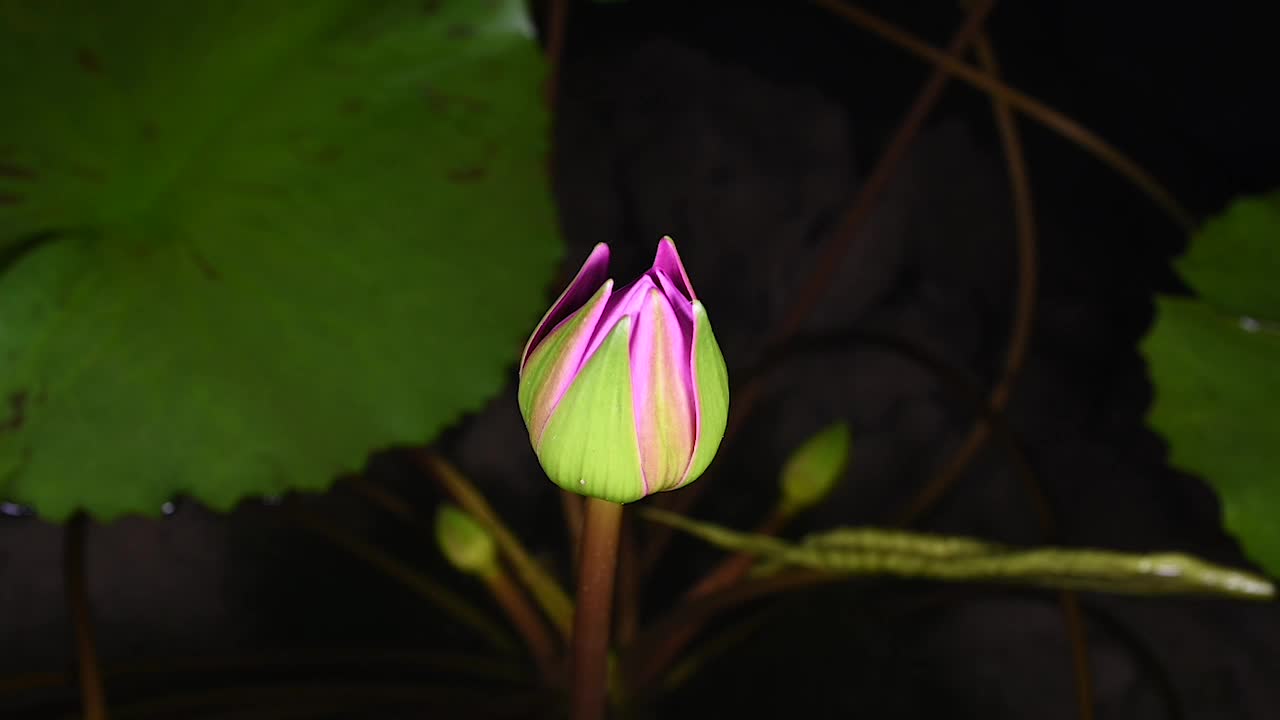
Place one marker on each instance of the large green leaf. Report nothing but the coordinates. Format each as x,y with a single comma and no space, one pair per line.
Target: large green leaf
873,551
256,240
1215,362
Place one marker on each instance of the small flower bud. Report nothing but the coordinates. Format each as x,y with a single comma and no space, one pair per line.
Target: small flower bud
466,544
813,469
625,392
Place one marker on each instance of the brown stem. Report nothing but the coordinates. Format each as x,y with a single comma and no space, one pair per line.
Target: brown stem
591,620
838,244
381,497
1024,303
1020,335
557,18
509,596
1023,103
728,573
735,567
1080,667
831,254
92,694
652,651
527,621
571,507
553,600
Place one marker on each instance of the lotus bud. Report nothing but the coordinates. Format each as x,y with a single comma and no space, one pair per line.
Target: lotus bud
813,469
625,392
466,544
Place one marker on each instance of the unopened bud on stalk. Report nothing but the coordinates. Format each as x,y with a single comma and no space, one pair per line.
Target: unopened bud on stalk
466,544
813,469
625,392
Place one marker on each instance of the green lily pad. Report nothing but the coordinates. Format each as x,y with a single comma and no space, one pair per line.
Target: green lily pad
248,242
1215,362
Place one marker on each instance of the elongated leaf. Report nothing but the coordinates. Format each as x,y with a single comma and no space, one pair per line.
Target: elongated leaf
937,557
1215,362
243,244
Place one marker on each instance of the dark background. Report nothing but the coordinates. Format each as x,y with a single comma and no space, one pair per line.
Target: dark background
743,130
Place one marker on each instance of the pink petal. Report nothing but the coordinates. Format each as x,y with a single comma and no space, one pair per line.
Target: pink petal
668,261
577,330
589,279
661,398
624,301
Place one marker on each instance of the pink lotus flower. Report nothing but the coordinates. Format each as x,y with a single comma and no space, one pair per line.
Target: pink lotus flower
625,392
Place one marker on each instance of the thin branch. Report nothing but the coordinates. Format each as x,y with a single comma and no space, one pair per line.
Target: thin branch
1023,308
735,567
833,250
549,595
838,243
509,595
92,694
1081,669
557,19
1020,101
726,574
526,619
381,497
1020,335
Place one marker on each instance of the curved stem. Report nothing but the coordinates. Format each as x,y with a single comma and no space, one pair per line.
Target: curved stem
557,19
1023,308
837,245
92,694
548,594
1045,115
830,255
1081,669
525,618
595,601
1073,622
509,596
736,566
661,643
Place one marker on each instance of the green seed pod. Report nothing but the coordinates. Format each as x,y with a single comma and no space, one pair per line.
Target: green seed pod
466,544
813,469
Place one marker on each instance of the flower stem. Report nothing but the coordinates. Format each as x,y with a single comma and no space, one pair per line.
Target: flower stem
736,566
546,592
595,599
92,696
525,618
